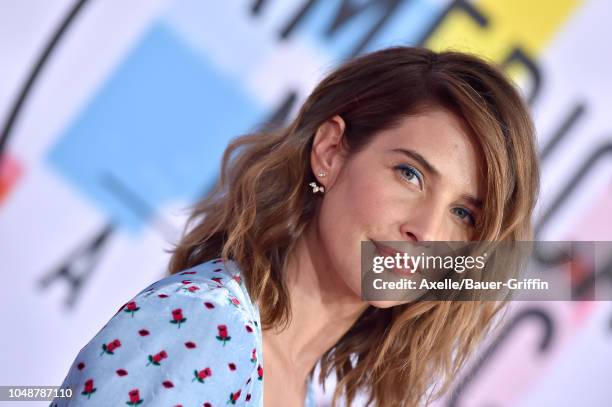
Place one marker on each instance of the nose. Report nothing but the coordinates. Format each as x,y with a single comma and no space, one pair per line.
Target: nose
424,224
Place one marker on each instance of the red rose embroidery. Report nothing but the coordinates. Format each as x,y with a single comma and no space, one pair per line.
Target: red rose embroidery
134,398
177,317
259,372
131,308
248,328
168,384
88,388
222,334
110,347
202,374
187,272
143,332
254,356
190,345
192,289
121,372
234,397
158,357
234,301
209,305
232,366
218,280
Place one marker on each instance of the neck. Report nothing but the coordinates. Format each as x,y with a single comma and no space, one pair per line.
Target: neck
322,308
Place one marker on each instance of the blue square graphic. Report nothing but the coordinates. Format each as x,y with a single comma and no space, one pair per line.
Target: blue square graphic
155,132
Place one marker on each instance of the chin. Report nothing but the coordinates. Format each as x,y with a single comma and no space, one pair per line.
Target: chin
386,304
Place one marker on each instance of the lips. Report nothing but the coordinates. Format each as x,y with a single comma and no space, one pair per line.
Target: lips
387,251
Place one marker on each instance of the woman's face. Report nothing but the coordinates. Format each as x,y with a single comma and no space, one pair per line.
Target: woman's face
417,182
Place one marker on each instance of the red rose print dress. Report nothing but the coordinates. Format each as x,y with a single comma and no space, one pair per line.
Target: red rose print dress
189,339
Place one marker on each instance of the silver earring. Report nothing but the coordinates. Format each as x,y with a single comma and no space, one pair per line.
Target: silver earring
322,174
316,188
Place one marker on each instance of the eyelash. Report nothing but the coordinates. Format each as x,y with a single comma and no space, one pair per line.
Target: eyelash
472,221
402,170
412,170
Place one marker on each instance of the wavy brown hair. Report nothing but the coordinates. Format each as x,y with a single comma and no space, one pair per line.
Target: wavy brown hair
261,205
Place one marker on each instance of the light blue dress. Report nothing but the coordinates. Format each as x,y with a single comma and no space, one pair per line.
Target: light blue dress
189,339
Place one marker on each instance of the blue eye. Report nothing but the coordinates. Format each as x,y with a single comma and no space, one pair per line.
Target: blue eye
410,174
463,214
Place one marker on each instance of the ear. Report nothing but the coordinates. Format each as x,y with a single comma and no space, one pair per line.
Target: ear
328,152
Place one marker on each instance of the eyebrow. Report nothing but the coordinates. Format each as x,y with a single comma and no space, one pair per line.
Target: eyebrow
420,159
431,169
472,200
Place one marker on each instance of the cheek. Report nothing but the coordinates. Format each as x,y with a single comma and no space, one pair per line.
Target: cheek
366,205
354,207
357,208
340,220
379,205
345,216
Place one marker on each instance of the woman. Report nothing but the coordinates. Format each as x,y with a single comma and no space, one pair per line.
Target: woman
403,144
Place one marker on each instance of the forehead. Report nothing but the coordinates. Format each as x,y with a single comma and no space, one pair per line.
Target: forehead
444,141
